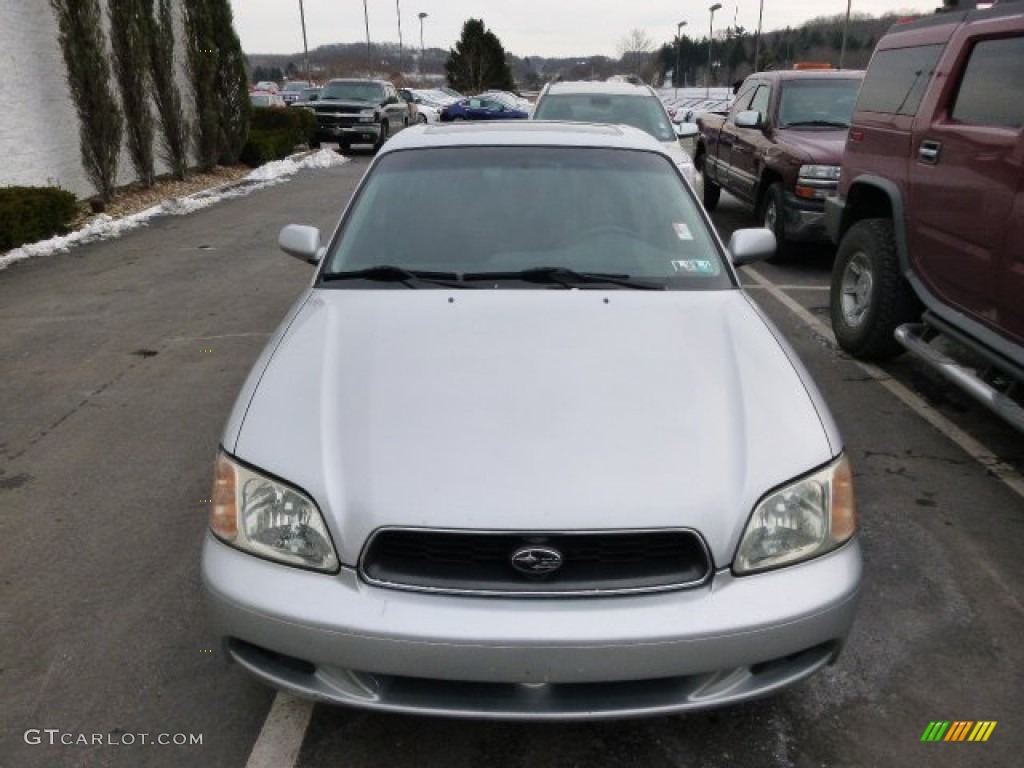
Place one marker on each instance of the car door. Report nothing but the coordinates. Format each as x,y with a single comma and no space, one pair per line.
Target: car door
721,159
965,178
746,143
395,108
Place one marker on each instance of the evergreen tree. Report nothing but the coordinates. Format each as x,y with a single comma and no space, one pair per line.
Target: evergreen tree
232,84
202,68
129,30
100,123
478,61
174,127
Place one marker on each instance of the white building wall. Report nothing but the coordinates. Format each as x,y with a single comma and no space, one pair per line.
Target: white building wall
39,143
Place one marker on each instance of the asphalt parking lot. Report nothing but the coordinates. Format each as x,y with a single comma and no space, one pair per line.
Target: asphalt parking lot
120,362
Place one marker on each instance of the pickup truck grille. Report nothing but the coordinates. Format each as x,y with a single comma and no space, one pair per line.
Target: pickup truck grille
598,562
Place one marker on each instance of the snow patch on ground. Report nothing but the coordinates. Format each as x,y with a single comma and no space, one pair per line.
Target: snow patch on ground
105,227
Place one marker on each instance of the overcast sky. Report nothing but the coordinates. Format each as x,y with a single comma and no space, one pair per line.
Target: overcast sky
525,27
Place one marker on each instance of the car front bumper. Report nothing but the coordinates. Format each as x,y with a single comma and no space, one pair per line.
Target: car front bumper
332,637
357,133
804,220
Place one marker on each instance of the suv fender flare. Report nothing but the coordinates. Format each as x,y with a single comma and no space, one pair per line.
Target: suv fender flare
892,193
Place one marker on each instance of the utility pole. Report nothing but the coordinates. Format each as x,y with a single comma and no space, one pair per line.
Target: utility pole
305,45
846,27
398,9
679,48
422,16
369,57
757,36
711,35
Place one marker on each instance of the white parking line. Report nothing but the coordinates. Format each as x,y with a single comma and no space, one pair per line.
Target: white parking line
992,464
281,738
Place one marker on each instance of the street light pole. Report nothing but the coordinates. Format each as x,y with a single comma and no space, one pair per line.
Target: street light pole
757,37
398,9
305,45
846,26
711,34
422,16
679,48
369,57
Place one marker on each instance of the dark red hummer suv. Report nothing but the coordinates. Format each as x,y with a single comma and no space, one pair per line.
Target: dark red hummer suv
929,215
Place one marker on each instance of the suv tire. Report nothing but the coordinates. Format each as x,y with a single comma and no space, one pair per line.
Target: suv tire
770,216
869,298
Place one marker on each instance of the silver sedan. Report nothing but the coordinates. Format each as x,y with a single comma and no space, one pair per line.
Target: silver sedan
546,460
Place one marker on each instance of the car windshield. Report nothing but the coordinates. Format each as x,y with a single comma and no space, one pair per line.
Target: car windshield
260,100
296,85
643,112
825,102
354,91
507,209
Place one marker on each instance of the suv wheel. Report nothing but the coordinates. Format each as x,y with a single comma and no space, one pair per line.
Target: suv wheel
771,218
869,299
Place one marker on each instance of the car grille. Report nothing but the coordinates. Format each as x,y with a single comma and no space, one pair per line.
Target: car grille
592,562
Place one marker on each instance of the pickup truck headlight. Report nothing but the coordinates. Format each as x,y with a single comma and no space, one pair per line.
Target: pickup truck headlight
800,521
817,181
263,516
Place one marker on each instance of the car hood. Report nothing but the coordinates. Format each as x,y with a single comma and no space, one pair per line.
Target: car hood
531,410
821,146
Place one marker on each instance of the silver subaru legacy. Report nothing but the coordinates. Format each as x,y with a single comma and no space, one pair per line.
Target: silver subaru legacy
525,450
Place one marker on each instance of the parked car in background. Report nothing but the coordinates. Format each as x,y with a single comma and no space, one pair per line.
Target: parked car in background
266,85
779,148
428,107
929,216
293,89
596,485
511,99
617,101
307,95
266,99
358,111
486,107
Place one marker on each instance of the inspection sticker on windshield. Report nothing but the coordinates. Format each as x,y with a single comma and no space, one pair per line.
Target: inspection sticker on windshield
694,266
682,231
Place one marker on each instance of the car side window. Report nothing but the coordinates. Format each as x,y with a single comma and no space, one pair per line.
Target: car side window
759,103
896,79
991,91
742,102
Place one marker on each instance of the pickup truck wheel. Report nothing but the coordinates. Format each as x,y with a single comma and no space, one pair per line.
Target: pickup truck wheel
711,193
869,299
382,136
771,218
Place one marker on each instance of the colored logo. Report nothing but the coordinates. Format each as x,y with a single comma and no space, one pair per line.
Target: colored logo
958,730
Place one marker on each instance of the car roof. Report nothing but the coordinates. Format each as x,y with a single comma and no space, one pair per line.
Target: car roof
809,74
590,86
536,133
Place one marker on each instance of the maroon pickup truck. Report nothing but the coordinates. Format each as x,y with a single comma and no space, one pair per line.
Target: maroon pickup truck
779,148
930,212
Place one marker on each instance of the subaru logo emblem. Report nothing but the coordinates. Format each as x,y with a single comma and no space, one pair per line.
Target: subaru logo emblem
537,561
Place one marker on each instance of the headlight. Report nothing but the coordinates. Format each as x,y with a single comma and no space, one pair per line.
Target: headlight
265,517
367,112
803,520
829,172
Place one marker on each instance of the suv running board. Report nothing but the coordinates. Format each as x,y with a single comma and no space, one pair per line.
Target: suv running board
913,337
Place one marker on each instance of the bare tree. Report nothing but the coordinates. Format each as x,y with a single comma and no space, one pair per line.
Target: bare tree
634,47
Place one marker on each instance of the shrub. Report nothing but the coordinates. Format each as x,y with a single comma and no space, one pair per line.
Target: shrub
265,145
28,214
301,122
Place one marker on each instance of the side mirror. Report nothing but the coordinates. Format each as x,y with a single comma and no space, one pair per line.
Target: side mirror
686,130
302,242
750,245
748,118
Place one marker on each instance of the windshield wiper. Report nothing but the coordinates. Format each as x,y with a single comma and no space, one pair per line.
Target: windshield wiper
825,123
388,273
565,277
